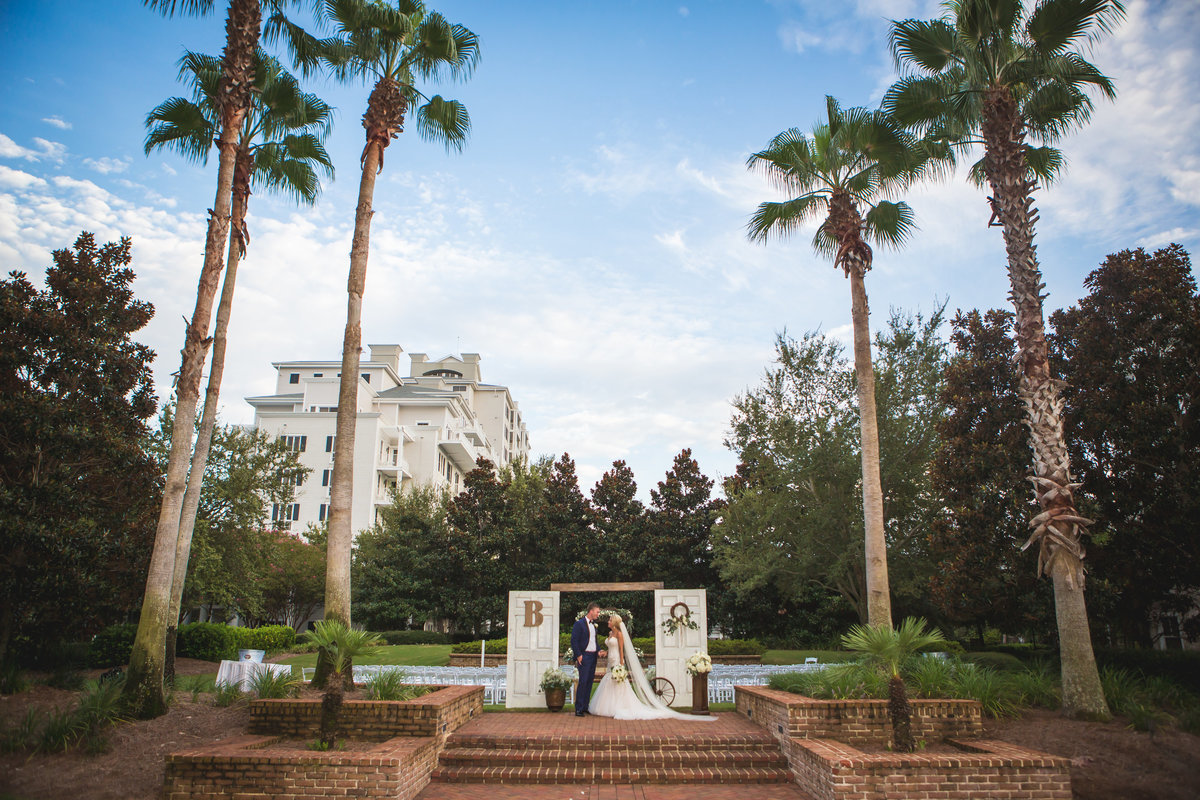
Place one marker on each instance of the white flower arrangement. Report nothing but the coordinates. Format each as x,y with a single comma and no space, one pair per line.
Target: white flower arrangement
555,679
619,673
699,664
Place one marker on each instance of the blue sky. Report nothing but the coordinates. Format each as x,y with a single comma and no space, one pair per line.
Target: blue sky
589,241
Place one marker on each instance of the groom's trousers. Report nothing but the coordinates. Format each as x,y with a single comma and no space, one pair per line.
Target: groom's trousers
587,675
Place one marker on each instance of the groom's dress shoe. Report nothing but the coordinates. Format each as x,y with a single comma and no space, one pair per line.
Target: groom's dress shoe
581,713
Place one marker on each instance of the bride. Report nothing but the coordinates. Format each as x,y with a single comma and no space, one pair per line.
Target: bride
631,698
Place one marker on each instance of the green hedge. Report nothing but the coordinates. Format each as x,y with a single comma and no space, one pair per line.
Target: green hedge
1001,662
111,646
207,641
272,638
418,637
1179,666
735,647
494,646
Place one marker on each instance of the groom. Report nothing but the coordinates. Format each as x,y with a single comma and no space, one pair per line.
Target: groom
583,645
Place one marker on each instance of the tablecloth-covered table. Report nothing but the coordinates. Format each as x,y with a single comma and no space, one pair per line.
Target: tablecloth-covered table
243,672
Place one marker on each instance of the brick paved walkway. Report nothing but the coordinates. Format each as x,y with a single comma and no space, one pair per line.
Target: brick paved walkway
467,791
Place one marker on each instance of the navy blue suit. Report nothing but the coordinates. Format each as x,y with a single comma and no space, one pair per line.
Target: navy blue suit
586,667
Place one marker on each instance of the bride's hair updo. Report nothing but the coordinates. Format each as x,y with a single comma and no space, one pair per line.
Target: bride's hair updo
614,622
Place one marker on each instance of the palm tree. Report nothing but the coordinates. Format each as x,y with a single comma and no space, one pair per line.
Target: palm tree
890,648
338,644
280,148
393,44
992,72
144,693
851,160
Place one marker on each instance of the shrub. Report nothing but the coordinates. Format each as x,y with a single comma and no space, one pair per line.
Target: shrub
227,694
23,735
1121,689
734,647
974,682
1036,686
269,685
111,646
271,638
207,641
12,680
1001,662
195,684
929,676
1180,666
390,685
494,647
415,637
69,679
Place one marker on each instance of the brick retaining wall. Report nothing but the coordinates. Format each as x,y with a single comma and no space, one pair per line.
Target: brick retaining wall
434,714
861,722
836,770
408,736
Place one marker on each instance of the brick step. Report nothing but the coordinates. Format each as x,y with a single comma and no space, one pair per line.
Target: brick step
670,759
592,775
625,744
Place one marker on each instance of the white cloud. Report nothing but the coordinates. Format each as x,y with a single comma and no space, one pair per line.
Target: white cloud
57,122
1156,240
16,179
106,165
50,151
684,11
797,39
168,169
672,241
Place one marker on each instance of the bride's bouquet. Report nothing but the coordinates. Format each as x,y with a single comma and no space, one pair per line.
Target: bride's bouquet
619,673
699,664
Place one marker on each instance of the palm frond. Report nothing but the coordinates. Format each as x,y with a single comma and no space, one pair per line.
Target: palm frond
782,218
197,8
927,44
1046,163
444,121
182,126
890,224
441,48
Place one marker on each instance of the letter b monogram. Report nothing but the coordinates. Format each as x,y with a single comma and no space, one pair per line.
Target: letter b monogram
533,613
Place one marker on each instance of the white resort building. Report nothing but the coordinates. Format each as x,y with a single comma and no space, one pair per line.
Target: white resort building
426,428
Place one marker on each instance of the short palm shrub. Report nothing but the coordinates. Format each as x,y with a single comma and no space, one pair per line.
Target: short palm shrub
269,685
1120,689
196,685
338,643
929,676
1038,685
986,686
888,648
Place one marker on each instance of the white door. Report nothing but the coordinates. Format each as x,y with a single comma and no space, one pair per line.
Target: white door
532,645
671,650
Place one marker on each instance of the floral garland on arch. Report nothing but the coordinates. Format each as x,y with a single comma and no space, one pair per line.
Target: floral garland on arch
624,613
674,621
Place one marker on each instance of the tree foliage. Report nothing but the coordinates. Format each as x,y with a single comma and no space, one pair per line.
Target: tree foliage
77,494
1130,354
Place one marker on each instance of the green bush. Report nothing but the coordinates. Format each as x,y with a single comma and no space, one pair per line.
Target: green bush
1001,662
735,647
494,647
1180,666
272,638
207,641
1026,651
416,637
111,646
269,685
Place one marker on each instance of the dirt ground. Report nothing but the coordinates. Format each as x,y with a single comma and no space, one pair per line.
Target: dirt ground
1109,761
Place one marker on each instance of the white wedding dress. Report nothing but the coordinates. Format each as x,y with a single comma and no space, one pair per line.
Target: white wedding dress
632,698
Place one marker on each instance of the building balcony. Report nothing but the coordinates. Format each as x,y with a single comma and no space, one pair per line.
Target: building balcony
459,449
393,464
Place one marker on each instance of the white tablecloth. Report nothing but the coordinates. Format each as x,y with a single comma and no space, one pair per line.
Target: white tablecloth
242,672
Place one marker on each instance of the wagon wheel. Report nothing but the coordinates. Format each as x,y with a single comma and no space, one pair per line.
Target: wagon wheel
664,689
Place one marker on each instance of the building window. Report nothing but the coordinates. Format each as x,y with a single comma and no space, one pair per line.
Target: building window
294,377
322,512
294,443
318,374
329,443
423,423
293,480
284,514
459,388
366,376
325,477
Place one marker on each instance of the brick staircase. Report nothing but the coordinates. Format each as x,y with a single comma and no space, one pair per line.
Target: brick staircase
697,758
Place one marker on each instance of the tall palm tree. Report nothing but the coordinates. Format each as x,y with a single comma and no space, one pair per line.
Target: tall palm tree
996,73
280,148
392,44
144,693
851,160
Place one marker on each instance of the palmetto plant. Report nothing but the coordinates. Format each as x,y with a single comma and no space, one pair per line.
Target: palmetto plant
1001,74
338,644
394,45
890,648
840,175
144,694
279,148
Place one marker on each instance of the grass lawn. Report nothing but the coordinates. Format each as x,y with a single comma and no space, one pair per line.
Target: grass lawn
417,655
798,656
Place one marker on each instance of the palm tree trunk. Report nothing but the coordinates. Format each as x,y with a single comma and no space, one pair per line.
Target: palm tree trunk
144,693
879,604
208,418
341,491
1058,528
